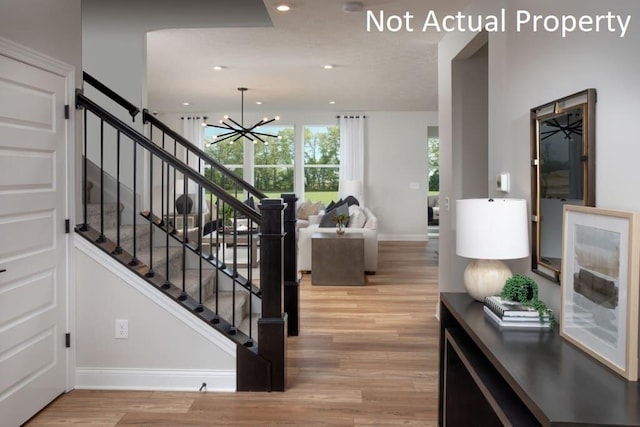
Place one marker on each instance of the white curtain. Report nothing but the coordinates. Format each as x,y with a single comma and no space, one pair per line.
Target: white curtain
193,131
351,151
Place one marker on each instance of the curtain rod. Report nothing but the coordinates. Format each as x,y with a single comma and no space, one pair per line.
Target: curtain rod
351,117
194,117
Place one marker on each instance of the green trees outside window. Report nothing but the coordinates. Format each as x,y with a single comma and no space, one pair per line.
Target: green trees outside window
228,152
274,162
321,162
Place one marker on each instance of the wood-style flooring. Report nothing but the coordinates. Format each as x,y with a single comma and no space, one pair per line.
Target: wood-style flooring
365,356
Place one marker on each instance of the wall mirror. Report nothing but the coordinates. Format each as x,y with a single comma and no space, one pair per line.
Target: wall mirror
562,172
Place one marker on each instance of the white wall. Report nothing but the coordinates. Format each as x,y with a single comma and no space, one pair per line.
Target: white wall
52,28
395,157
114,34
163,351
526,70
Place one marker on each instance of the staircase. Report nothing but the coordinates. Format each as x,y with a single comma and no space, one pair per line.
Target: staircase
133,185
171,261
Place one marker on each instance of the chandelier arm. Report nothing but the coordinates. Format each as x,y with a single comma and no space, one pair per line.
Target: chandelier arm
237,124
264,134
258,138
229,135
226,127
260,123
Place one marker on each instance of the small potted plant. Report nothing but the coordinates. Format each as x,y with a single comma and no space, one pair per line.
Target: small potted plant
524,289
341,221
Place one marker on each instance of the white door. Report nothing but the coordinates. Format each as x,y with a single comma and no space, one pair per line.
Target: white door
33,243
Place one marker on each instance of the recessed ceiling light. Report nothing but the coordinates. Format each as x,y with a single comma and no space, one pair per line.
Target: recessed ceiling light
218,67
327,67
332,102
258,102
283,7
185,103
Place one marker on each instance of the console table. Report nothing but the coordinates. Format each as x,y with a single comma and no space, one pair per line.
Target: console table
499,377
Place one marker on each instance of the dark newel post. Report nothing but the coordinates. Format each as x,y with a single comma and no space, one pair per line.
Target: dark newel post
272,326
291,283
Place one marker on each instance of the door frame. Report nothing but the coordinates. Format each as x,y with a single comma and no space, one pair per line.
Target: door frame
36,59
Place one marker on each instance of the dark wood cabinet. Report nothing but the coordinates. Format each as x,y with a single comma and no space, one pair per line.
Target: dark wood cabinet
493,377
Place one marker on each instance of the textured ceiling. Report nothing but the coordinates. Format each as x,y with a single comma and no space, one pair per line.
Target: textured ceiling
282,65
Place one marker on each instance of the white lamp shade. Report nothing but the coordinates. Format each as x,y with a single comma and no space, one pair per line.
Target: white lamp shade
492,228
350,188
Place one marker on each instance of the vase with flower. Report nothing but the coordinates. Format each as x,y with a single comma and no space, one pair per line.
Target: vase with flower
341,221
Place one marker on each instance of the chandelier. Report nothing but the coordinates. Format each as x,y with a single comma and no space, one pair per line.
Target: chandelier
236,130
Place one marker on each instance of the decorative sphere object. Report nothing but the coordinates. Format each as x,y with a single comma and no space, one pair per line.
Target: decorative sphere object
184,204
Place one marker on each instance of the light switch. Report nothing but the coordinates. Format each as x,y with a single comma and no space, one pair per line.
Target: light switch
414,185
502,182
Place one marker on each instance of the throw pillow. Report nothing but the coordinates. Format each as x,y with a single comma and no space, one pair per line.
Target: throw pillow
316,208
357,217
328,219
304,210
335,205
330,205
350,201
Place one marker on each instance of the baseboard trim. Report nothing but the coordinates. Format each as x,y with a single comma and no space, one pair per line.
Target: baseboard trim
155,379
403,237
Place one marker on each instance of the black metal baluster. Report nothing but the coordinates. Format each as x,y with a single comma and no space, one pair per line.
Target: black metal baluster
118,248
167,281
250,259
85,196
150,273
162,221
175,153
234,230
199,228
134,259
183,295
101,238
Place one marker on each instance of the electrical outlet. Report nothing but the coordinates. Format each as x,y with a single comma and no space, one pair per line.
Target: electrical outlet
122,329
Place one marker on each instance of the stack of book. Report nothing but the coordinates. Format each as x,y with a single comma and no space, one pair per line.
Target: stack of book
513,315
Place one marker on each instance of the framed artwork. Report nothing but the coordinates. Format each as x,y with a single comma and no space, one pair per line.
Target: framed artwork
600,275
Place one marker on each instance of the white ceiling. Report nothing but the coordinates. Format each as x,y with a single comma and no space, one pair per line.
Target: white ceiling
282,65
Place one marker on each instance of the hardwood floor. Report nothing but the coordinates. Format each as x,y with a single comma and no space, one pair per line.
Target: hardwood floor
366,356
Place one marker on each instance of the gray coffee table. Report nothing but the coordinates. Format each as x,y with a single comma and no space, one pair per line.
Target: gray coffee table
337,259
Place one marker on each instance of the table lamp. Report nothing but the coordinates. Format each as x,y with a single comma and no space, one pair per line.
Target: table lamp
489,231
351,188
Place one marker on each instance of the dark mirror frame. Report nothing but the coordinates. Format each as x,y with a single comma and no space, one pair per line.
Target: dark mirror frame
585,102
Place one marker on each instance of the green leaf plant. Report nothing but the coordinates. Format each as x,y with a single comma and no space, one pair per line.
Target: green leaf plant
524,289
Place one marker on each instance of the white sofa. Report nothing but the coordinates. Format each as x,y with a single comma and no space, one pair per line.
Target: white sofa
369,232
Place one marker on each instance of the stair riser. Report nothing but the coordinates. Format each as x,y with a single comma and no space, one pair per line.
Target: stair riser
94,215
208,288
225,309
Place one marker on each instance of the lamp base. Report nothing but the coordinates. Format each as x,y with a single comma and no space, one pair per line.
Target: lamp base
485,277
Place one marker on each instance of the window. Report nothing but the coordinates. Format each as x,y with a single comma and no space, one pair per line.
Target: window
229,153
273,161
321,163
